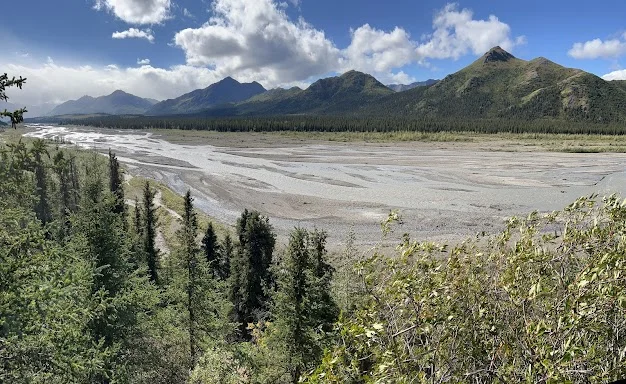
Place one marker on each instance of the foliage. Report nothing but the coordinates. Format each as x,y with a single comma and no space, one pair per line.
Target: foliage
542,301
302,312
251,278
18,115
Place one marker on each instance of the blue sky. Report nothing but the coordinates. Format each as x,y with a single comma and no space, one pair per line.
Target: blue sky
163,48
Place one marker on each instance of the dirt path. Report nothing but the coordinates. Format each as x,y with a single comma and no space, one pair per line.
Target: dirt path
161,243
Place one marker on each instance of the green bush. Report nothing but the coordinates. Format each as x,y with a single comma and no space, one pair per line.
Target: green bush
543,301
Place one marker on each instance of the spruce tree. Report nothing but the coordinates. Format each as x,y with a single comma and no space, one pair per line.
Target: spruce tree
251,277
149,232
210,247
302,307
116,185
226,254
193,266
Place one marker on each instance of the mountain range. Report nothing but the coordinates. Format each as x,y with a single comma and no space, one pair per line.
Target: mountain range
117,103
497,85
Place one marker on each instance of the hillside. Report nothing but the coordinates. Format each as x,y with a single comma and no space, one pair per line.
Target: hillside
499,85
225,91
117,103
334,95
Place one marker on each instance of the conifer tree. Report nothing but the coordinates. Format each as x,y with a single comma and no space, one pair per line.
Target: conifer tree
194,272
302,306
226,254
138,225
115,185
149,232
251,277
211,249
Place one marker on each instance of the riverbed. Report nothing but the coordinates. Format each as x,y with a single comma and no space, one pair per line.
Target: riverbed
443,191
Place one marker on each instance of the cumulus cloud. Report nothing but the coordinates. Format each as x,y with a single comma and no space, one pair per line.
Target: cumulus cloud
456,34
259,38
134,33
597,48
376,51
143,61
137,11
615,75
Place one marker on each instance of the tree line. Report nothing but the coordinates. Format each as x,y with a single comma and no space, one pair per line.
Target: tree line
317,123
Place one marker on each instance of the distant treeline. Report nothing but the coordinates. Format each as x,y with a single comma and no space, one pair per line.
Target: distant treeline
349,124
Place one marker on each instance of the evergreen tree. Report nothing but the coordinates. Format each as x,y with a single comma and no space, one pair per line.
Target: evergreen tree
211,249
115,185
149,232
251,277
138,224
302,307
226,254
193,266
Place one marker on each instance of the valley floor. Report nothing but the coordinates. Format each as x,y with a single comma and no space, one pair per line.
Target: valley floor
446,188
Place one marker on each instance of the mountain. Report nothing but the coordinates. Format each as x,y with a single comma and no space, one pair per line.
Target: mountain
334,95
117,103
406,87
225,91
499,85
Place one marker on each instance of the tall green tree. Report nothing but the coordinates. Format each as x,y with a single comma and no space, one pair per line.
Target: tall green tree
116,185
211,249
194,268
302,309
251,277
227,250
150,222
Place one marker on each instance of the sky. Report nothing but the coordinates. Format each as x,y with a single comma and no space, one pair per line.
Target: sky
164,48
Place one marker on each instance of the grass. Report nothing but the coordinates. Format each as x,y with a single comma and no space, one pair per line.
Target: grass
172,201
570,143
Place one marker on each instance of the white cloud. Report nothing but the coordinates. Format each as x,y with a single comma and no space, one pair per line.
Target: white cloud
456,34
51,82
188,14
258,38
257,41
137,11
615,75
376,51
134,33
597,48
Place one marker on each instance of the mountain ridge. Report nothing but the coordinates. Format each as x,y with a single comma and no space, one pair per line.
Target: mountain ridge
116,103
227,90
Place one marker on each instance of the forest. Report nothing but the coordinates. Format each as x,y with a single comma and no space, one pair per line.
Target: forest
315,123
